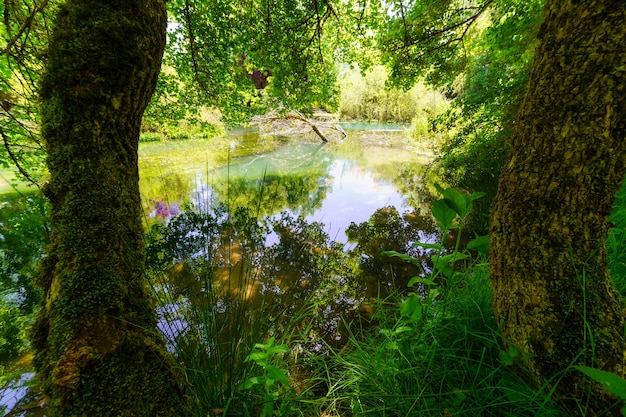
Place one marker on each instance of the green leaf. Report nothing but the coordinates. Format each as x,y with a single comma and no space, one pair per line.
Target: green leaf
258,357
421,280
277,374
506,358
611,382
412,307
402,256
386,332
460,203
480,244
445,263
436,246
444,214
268,408
391,346
432,294
277,349
477,195
403,329
250,382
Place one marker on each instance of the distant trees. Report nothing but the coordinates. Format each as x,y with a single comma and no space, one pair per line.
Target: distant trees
368,97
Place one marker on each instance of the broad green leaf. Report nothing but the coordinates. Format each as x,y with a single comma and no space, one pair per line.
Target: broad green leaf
402,256
432,294
457,201
412,307
250,382
268,409
612,382
444,263
421,280
480,244
277,374
403,329
477,195
441,265
257,357
443,214
277,349
436,246
391,345
453,257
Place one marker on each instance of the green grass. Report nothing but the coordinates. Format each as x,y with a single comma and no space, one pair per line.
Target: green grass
450,363
446,361
437,352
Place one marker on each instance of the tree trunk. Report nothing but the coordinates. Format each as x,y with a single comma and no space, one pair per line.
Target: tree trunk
552,291
97,348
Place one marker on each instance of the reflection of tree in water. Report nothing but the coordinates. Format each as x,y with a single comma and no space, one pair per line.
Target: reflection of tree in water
166,190
388,230
273,193
415,182
303,266
222,289
293,177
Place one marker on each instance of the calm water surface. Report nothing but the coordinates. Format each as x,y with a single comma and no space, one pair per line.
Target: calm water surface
333,183
369,192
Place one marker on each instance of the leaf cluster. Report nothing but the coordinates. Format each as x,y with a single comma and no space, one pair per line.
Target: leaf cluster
24,34
245,56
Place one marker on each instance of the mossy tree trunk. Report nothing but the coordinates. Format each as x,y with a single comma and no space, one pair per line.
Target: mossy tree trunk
552,291
97,348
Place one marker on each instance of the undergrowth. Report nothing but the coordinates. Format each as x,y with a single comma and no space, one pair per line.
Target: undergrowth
438,352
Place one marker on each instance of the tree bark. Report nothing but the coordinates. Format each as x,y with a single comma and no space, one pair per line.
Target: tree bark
97,348
552,291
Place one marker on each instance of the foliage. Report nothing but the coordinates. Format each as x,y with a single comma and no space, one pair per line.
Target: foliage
244,56
368,97
23,235
221,290
427,38
23,39
492,87
439,352
611,382
480,54
273,379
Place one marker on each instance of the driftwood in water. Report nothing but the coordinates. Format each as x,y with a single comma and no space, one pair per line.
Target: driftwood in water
316,126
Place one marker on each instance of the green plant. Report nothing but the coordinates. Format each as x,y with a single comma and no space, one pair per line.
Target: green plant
436,352
611,382
273,379
449,212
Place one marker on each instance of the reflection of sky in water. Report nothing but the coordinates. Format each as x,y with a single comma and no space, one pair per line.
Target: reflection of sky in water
349,192
354,196
19,388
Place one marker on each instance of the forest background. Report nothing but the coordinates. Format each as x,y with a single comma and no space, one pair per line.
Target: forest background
472,62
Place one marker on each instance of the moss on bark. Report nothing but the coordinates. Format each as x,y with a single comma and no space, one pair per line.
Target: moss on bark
552,290
98,351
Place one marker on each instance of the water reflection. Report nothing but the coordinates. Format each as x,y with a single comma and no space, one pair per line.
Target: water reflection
335,184
277,237
277,228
